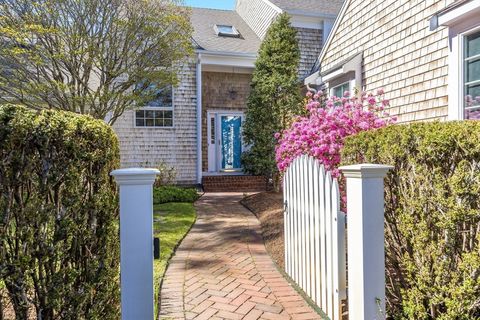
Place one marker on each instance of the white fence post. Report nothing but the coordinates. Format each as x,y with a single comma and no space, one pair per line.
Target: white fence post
366,251
136,241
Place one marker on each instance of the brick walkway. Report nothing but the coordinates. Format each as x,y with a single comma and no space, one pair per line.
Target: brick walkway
222,270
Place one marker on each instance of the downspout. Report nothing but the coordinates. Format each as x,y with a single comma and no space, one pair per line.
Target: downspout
312,90
199,119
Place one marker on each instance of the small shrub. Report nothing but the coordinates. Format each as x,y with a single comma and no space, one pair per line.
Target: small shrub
59,251
167,194
167,175
432,216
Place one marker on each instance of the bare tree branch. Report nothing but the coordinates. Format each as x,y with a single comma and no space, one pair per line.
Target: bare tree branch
90,56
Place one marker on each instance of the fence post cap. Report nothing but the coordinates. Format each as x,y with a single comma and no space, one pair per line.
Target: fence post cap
135,176
366,170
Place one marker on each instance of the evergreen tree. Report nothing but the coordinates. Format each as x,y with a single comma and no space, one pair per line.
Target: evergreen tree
275,97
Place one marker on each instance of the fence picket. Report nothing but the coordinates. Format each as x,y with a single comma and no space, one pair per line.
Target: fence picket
307,213
336,250
328,243
290,220
316,227
286,226
311,239
314,234
293,248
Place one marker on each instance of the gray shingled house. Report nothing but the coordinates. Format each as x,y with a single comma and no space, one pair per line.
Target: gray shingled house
424,54
196,126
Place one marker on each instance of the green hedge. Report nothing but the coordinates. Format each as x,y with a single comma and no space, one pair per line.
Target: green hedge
59,246
174,194
432,218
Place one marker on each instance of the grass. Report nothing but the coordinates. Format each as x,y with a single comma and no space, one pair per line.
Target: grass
172,221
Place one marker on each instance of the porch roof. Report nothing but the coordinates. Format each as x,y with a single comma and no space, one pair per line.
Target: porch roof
205,37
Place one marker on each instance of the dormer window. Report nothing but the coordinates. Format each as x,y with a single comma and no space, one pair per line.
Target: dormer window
226,30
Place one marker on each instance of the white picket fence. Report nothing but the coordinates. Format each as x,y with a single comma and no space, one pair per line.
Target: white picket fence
315,253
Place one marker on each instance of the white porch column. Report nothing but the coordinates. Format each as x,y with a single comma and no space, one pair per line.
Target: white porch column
136,241
366,251
199,119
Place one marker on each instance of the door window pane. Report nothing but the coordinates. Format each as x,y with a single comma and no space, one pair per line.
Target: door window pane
212,130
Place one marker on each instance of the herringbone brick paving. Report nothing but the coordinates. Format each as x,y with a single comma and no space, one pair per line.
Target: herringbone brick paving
222,270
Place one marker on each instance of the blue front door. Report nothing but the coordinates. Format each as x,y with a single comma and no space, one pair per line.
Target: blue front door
231,142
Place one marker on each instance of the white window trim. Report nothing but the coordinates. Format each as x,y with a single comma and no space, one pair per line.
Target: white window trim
456,96
172,108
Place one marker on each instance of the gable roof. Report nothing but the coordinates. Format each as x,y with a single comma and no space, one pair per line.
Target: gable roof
205,37
309,6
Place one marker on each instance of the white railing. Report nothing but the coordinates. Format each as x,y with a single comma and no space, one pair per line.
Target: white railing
315,254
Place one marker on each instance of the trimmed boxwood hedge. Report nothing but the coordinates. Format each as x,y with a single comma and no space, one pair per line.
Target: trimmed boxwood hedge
432,216
167,194
59,247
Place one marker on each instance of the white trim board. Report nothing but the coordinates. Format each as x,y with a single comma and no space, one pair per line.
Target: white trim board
459,13
216,58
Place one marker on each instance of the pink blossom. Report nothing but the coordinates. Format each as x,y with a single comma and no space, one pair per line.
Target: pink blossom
322,132
380,92
372,100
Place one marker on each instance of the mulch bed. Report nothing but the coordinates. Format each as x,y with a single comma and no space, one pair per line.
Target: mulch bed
268,207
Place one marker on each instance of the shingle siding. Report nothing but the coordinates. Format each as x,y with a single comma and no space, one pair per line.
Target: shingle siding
257,14
310,44
147,147
400,54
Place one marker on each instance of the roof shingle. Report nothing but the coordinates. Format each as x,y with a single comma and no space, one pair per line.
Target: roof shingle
204,20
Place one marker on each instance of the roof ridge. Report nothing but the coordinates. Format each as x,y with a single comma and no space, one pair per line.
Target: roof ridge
212,9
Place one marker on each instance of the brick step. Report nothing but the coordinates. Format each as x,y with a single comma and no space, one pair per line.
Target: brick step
234,183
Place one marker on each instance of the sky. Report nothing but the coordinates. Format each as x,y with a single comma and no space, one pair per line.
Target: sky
215,4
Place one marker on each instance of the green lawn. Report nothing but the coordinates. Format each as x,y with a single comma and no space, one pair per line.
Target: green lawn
171,222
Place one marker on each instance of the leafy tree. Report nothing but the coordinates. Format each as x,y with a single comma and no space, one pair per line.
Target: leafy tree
88,56
275,97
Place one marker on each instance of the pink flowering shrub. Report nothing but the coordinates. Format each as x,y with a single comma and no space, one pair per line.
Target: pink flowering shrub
322,132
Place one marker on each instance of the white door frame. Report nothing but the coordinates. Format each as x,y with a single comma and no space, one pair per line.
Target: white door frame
214,153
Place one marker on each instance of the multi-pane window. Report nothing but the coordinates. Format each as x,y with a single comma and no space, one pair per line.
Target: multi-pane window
154,118
471,71
158,112
339,90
